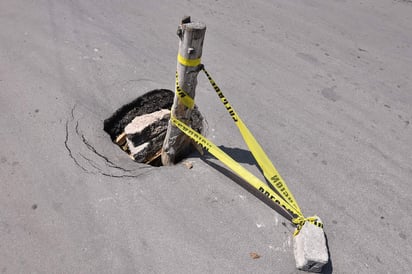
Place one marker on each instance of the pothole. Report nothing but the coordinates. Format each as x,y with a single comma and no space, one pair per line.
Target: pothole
139,127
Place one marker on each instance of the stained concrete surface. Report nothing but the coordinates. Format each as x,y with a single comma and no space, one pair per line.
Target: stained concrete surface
324,85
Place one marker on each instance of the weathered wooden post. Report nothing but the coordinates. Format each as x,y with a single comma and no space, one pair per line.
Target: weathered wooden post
191,36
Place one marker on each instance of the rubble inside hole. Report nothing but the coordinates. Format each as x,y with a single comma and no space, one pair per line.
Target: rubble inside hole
139,127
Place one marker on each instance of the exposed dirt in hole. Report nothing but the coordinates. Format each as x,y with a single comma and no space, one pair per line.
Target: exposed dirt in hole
150,102
144,142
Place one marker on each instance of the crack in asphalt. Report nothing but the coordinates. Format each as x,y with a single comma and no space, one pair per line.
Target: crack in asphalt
69,150
91,162
108,162
91,148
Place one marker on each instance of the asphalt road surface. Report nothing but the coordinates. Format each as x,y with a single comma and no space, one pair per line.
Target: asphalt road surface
325,86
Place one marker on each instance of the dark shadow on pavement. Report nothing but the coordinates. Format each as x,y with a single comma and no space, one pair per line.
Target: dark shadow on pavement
328,268
244,156
239,155
249,188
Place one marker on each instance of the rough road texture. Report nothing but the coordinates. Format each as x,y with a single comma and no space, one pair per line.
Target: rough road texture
324,85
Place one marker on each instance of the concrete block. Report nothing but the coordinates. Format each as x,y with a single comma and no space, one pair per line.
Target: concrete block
147,127
140,152
310,249
145,135
145,152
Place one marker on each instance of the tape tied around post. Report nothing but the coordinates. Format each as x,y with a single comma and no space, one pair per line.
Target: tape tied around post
188,62
184,97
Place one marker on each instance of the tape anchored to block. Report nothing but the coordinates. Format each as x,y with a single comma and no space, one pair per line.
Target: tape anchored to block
280,192
300,221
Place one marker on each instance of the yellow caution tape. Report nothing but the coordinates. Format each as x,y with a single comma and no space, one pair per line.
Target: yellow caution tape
281,193
232,164
188,62
269,171
300,221
184,97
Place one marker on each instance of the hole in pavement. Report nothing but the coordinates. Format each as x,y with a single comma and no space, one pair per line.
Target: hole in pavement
139,127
